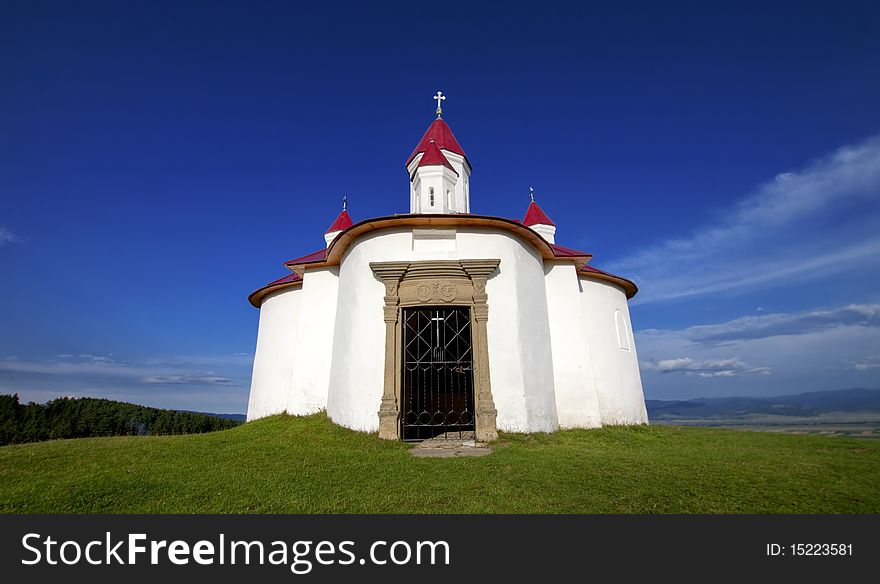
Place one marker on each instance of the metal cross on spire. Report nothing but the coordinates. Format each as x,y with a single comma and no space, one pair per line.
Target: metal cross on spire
439,98
532,193
344,202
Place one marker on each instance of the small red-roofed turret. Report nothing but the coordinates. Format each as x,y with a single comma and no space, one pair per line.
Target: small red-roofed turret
343,221
538,220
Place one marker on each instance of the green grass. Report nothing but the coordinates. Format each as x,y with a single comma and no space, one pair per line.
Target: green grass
309,465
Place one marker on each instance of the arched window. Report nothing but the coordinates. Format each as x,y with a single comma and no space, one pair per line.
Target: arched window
431,198
622,332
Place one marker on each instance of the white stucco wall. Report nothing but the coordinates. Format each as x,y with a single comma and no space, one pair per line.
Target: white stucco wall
552,363
616,370
357,379
314,341
521,363
273,358
529,321
577,403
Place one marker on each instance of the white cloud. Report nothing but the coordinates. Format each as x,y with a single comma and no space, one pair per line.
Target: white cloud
805,351
798,323
97,358
7,236
85,367
820,220
217,383
730,367
868,363
189,379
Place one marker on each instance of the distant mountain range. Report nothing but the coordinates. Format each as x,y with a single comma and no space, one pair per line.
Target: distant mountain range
718,408
233,417
802,405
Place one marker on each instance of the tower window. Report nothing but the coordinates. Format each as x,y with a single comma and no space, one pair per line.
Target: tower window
431,193
622,333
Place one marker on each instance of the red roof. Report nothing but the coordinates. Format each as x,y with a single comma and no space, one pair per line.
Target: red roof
589,268
288,278
343,222
318,256
558,251
566,252
442,136
629,286
536,216
433,157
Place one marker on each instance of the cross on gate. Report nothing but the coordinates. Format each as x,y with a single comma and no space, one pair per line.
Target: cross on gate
438,319
438,354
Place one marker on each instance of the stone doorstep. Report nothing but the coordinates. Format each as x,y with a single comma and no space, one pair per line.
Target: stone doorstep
448,448
420,452
443,443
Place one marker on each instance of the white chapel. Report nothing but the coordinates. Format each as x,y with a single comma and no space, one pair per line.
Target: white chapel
441,321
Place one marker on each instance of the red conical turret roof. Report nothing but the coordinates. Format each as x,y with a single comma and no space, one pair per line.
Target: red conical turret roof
343,222
536,216
441,135
433,157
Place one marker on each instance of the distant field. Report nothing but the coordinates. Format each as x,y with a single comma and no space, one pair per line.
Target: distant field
859,431
309,465
840,424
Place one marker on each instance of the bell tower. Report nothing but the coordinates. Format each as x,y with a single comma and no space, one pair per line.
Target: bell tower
439,171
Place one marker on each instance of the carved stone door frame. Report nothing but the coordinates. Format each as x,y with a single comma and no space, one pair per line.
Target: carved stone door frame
436,282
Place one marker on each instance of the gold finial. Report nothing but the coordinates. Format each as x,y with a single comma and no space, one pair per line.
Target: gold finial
439,97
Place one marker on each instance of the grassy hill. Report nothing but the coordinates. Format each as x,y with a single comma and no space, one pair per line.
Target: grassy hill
309,465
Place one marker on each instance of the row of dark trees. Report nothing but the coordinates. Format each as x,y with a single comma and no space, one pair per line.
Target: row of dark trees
87,417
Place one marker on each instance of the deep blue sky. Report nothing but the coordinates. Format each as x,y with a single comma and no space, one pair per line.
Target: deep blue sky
160,160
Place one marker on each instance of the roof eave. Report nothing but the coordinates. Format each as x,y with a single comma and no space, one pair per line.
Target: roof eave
629,287
340,244
257,296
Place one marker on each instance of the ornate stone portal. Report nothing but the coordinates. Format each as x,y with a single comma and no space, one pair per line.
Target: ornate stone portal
436,282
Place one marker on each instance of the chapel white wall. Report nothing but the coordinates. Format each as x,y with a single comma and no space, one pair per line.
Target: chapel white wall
577,403
357,378
556,363
616,370
273,358
314,341
529,318
521,363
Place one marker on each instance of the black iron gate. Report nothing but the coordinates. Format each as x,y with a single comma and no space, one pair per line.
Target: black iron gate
438,380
